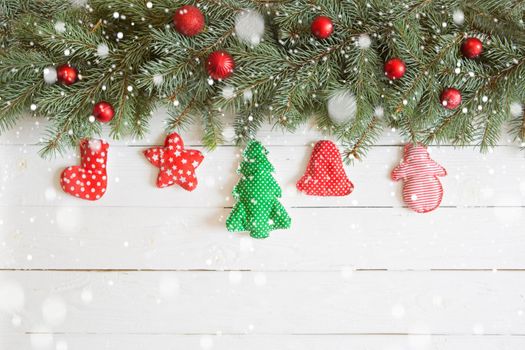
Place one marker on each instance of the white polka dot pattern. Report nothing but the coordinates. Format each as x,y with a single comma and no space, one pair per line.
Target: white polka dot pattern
88,180
177,165
325,174
422,190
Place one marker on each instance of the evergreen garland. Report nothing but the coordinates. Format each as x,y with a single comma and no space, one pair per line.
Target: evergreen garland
289,76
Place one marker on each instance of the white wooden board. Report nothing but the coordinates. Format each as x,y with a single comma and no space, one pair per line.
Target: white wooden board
236,302
262,342
146,268
321,239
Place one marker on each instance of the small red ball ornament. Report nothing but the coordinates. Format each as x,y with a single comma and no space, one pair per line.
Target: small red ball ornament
67,75
395,68
450,98
472,48
188,20
322,27
220,65
103,111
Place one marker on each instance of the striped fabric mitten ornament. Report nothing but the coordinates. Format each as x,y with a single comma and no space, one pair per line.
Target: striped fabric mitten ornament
422,190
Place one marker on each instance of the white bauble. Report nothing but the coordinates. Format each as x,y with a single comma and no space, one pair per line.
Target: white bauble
516,109
458,17
60,27
342,107
102,50
50,75
364,41
249,26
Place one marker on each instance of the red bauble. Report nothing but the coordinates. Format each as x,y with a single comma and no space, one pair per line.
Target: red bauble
103,111
188,20
472,48
322,27
66,74
450,98
395,68
220,65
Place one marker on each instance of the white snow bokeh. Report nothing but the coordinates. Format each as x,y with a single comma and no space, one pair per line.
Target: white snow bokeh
68,219
60,27
259,279
228,133
12,296
86,295
50,75
78,3
158,80
61,345
228,91
249,26
169,286
54,311
458,17
516,109
41,338
102,50
206,342
342,107
94,145
379,112
364,41
235,277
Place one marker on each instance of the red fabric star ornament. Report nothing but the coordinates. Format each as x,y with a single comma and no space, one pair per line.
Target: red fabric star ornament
177,165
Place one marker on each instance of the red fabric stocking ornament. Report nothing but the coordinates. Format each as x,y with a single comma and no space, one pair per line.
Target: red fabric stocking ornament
177,165
325,174
88,180
422,190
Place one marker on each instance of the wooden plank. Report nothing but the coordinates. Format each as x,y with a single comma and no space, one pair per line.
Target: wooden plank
337,239
261,342
30,130
492,179
464,303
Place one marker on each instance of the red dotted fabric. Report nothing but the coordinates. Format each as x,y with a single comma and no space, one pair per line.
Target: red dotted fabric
325,174
422,190
88,180
177,165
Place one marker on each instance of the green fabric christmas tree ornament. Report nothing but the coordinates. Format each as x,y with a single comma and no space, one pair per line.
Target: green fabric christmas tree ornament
257,209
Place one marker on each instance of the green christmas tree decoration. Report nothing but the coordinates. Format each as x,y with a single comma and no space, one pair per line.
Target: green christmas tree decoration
257,209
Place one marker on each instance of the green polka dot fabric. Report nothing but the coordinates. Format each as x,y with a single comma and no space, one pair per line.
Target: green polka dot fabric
257,209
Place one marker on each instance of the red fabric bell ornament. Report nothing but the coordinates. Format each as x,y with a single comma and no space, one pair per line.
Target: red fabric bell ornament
325,174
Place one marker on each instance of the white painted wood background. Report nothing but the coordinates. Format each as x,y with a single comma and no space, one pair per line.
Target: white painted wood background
146,268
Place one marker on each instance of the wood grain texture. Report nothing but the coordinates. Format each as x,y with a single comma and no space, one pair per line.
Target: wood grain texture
274,302
265,342
320,239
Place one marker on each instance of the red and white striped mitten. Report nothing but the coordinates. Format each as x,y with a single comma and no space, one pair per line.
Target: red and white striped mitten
422,190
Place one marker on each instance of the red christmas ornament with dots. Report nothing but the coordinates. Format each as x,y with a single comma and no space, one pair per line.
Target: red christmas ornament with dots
450,98
67,74
220,65
188,20
322,27
472,48
103,111
395,68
